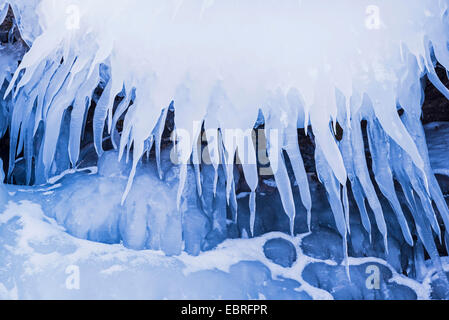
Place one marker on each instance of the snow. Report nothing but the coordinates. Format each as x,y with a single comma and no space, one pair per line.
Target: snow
40,252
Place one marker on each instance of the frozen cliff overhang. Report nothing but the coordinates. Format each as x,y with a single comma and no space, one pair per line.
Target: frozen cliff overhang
226,66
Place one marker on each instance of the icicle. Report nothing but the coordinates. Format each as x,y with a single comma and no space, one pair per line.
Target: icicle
214,187
196,157
433,77
182,182
277,140
214,143
158,136
14,132
58,85
247,157
54,118
41,48
361,170
29,146
126,132
78,115
41,89
421,222
233,202
252,210
297,163
148,145
412,121
121,108
347,153
332,187
105,102
346,207
401,176
325,138
138,150
228,157
379,146
386,113
283,184
408,170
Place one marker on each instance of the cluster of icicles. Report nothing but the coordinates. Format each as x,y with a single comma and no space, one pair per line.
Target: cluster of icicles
300,63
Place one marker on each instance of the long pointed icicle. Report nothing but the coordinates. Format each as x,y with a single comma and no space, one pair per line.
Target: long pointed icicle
277,163
412,120
361,170
379,146
333,192
158,140
346,151
77,120
297,163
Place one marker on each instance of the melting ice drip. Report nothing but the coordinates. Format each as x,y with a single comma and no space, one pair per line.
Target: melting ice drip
300,64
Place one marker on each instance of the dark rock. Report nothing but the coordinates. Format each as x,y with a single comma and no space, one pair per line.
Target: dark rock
436,106
439,288
280,251
324,244
334,279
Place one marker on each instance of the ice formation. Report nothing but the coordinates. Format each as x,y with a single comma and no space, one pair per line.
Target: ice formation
225,65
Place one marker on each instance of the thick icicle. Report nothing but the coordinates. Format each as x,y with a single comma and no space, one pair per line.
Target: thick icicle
327,178
379,147
77,121
277,163
297,163
346,151
158,139
362,173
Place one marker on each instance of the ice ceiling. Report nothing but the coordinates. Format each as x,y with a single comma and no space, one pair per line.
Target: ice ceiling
223,64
